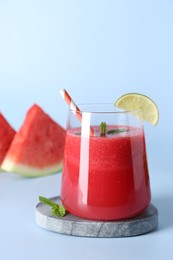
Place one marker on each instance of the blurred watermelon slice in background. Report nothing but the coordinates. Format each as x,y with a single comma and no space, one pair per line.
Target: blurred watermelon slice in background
7,134
38,147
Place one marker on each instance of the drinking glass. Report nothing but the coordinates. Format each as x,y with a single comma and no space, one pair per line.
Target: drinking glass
105,172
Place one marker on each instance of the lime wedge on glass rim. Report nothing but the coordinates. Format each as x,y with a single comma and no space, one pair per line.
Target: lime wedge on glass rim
148,110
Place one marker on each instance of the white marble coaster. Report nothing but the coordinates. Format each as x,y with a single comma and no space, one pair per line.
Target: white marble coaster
74,226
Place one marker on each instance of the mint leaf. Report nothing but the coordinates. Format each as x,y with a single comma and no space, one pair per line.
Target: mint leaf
46,201
103,129
62,211
116,131
57,210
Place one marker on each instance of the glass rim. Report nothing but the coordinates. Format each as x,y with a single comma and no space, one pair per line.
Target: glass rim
116,111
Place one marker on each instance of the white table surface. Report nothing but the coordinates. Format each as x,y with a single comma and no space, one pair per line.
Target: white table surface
21,238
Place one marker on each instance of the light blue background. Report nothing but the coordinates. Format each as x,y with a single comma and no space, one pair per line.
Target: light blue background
97,50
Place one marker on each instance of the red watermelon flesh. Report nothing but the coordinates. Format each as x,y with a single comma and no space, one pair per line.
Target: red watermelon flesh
7,134
38,147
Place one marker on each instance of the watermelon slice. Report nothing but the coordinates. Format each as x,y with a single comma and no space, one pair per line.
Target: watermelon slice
7,134
37,148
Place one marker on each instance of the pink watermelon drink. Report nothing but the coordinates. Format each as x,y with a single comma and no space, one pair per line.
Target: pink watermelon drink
105,177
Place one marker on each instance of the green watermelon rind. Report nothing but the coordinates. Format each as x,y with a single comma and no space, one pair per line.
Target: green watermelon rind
28,171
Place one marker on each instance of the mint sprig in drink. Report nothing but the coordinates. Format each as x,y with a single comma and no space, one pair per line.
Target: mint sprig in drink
105,176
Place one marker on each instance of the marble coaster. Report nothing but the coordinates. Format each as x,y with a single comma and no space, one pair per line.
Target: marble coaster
74,226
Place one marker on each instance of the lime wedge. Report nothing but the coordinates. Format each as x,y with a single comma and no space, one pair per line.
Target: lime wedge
148,110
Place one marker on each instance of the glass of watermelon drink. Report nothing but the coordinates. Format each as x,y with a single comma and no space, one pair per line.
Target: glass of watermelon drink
105,174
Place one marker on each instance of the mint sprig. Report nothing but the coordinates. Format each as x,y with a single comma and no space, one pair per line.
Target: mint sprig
103,131
57,210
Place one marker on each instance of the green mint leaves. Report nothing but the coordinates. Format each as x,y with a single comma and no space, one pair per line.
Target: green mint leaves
103,131
57,210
